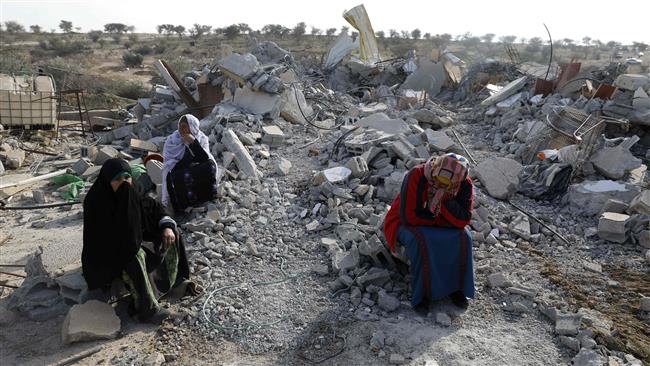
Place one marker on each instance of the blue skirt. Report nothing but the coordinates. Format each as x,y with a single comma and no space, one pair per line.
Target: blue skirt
441,261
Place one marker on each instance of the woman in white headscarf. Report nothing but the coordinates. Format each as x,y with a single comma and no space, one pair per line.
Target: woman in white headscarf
190,171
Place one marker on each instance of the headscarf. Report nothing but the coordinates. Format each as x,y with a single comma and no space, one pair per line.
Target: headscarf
112,231
175,148
449,169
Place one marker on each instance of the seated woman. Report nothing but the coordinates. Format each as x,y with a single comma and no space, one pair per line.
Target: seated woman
117,219
428,217
189,171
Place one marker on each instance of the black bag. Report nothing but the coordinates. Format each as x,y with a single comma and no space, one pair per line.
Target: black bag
545,180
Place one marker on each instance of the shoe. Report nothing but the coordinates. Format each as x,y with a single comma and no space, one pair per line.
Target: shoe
158,317
422,308
459,299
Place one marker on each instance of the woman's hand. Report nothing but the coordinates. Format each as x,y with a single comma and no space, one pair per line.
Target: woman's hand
168,238
187,138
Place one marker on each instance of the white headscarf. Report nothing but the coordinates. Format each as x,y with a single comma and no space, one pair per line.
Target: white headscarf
175,148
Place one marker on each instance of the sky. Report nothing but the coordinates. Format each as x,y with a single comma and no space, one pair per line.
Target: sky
565,18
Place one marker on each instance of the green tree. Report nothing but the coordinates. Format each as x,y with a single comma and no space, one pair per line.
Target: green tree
66,26
507,39
380,34
330,32
231,31
299,30
586,41
488,37
179,30
198,30
118,28
315,31
95,35
392,33
344,29
416,33
13,27
35,29
534,44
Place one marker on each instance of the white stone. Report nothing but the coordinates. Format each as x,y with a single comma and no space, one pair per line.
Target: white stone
333,175
260,103
243,159
505,92
632,81
90,321
614,162
239,67
282,166
499,176
294,109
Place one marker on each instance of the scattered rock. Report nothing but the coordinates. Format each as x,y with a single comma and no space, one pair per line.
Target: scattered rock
499,176
90,321
387,302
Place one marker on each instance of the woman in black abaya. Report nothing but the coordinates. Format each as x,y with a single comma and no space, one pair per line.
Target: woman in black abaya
117,220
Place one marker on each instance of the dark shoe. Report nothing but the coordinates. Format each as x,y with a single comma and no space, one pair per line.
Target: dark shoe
158,317
459,299
422,308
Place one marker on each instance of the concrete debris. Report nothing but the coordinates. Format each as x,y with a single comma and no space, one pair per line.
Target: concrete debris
239,67
439,140
282,166
505,92
632,81
243,159
614,162
272,136
499,176
641,203
613,227
589,197
154,170
90,321
294,106
387,302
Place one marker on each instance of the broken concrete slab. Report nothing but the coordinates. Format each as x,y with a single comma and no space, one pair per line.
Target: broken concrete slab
589,197
430,76
614,162
13,158
260,103
357,166
243,159
613,227
333,175
499,176
641,203
90,321
81,166
239,67
104,154
439,140
632,81
381,122
641,100
294,106
505,92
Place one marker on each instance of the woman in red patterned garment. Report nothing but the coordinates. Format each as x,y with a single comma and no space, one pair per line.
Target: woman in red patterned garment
428,218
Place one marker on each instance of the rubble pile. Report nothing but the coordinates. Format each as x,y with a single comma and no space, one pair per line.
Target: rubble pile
310,161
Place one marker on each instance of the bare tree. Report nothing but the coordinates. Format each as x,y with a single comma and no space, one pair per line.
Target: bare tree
13,27
507,39
488,37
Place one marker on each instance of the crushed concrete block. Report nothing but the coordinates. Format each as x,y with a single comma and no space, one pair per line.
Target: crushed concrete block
376,250
72,286
334,175
589,197
374,276
590,357
641,100
641,203
154,170
282,166
632,81
13,158
520,226
122,132
498,280
439,140
615,206
345,261
294,109
443,319
499,176
613,227
644,239
239,67
567,324
260,103
143,145
381,122
272,136
358,166
104,154
90,321
402,148
39,196
243,159
387,302
81,166
614,162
